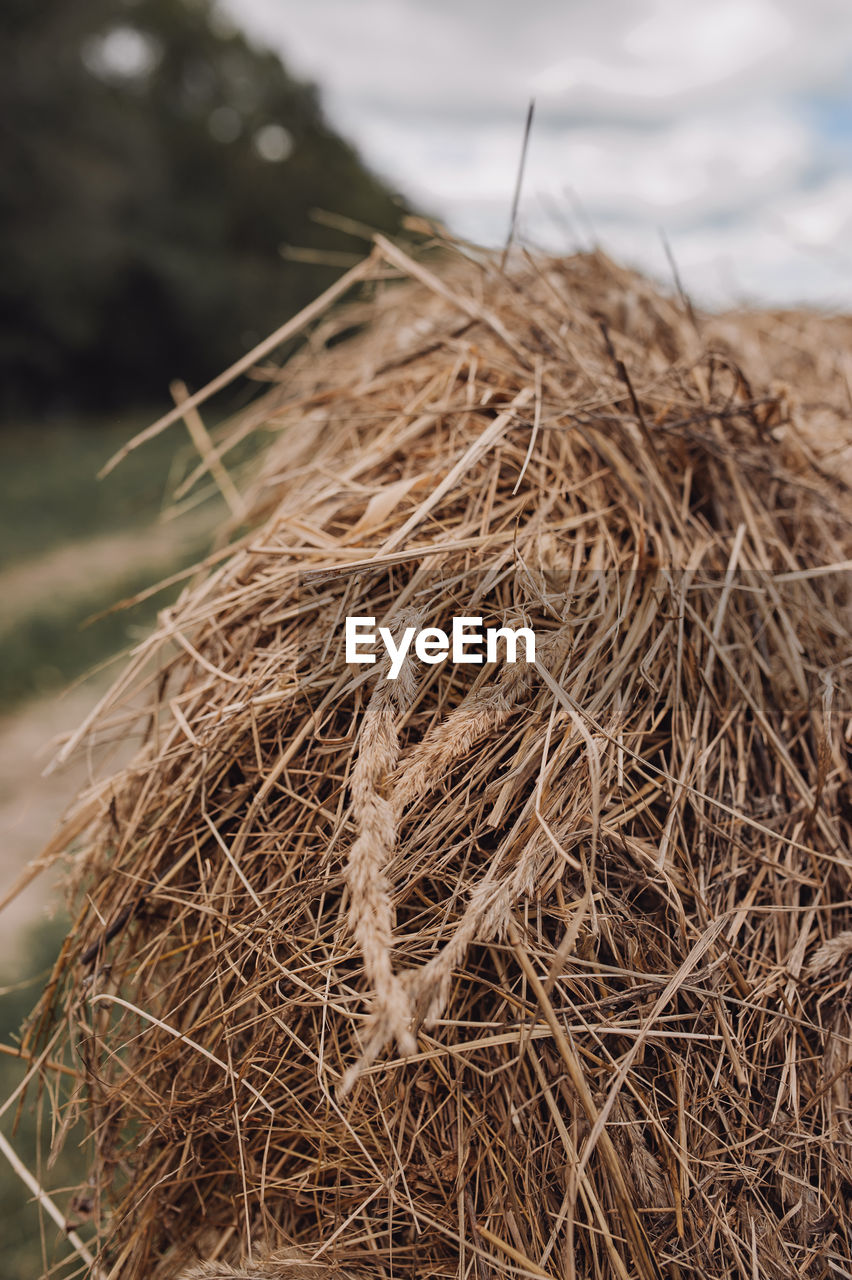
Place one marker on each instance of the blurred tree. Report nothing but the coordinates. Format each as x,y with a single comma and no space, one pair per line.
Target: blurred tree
153,164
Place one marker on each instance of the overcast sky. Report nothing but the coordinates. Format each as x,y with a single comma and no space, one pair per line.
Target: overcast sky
726,122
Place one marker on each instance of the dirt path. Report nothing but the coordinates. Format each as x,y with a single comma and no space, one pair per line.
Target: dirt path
75,569
30,804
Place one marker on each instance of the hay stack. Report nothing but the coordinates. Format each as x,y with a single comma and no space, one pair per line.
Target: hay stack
488,971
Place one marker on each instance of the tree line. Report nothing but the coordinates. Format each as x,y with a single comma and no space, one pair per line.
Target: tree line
154,165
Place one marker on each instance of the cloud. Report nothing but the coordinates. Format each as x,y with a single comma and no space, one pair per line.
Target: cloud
675,51
708,119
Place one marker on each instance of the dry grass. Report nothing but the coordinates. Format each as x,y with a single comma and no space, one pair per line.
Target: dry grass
496,971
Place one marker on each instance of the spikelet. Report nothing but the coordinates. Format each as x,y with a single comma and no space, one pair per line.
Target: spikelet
292,1264
371,916
834,952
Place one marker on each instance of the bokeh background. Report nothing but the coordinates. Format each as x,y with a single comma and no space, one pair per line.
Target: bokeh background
178,177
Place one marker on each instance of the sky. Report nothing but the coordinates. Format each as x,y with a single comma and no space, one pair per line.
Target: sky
725,125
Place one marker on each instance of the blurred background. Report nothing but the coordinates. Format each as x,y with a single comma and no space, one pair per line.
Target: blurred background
178,177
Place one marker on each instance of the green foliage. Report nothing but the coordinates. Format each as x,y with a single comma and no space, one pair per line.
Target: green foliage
140,224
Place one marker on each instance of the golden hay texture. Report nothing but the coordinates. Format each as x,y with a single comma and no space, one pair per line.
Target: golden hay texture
531,970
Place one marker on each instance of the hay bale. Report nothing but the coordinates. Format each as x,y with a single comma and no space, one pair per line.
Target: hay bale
488,970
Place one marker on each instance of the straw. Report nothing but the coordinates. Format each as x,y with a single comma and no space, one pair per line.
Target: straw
491,970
